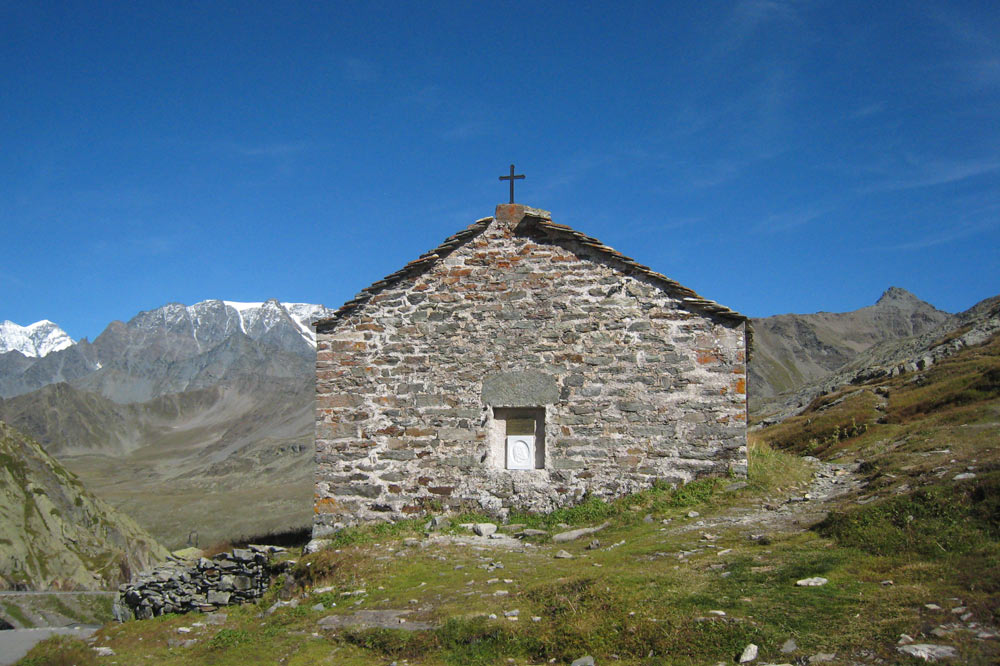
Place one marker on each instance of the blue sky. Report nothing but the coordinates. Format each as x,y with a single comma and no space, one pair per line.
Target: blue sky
775,156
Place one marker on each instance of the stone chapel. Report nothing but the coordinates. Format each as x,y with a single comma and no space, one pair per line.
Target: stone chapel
521,364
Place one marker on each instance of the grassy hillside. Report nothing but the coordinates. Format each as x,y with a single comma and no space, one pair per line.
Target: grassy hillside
897,509
54,533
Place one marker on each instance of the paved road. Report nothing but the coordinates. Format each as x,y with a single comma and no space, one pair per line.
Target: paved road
15,643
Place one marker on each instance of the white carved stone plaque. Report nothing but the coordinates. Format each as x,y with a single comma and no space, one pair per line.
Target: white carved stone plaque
521,452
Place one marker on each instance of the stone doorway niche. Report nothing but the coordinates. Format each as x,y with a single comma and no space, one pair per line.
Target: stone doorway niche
517,438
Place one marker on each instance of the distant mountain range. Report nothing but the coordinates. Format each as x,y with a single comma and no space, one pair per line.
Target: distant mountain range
792,350
879,335
197,420
168,350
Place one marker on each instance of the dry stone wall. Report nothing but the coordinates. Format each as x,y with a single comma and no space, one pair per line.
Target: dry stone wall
626,383
180,586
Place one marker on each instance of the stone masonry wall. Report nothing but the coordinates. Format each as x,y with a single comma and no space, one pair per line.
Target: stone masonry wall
179,586
634,385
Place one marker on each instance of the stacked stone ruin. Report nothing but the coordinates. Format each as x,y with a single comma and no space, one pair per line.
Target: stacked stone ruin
182,586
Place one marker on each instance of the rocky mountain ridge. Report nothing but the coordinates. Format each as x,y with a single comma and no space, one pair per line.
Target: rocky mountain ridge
792,350
173,348
907,354
55,533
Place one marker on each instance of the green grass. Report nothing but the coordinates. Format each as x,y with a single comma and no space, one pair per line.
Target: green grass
932,522
769,469
59,650
15,613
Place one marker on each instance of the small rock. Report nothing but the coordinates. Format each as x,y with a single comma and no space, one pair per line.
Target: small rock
816,581
183,630
739,485
536,618
964,475
319,607
648,518
492,616
594,545
437,523
904,639
822,658
511,613
563,555
932,607
958,610
501,593
749,654
484,529
583,661
693,514
886,582
789,646
717,612
929,652
103,651
315,545
270,611
572,535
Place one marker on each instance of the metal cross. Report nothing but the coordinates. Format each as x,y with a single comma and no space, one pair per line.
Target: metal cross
512,178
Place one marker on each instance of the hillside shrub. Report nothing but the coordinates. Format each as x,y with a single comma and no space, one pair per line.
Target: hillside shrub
60,650
932,522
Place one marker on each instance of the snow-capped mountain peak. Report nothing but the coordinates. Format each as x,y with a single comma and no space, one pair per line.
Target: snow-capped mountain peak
262,316
35,340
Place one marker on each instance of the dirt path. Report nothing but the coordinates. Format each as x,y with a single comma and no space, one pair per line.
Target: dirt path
830,482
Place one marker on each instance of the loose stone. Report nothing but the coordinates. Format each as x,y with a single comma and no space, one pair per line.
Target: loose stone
812,582
929,652
484,529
